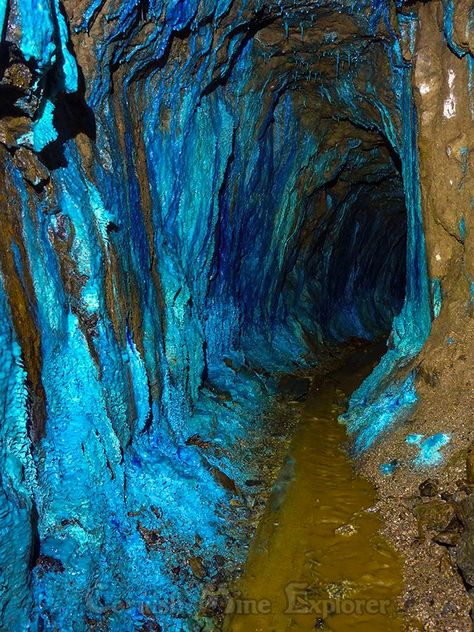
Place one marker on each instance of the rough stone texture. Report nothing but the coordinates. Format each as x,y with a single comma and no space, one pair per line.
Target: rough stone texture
197,195
442,88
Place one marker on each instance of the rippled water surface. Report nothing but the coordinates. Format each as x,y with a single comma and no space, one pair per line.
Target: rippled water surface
318,560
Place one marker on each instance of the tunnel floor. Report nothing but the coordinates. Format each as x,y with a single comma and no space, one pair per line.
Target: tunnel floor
318,560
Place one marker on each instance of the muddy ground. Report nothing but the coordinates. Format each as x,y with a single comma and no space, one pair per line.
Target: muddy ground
434,532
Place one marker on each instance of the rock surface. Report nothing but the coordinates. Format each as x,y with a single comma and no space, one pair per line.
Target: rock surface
196,196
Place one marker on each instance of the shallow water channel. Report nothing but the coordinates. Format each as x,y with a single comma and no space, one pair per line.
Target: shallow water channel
318,560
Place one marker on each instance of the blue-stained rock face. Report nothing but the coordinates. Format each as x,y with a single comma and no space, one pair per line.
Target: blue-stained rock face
195,196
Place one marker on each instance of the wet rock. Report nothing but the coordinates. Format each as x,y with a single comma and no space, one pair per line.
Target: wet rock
196,565
346,530
294,386
152,537
434,515
340,590
429,488
465,512
465,557
32,169
48,564
449,536
470,465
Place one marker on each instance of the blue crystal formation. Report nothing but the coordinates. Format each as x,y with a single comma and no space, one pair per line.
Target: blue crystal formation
389,468
430,450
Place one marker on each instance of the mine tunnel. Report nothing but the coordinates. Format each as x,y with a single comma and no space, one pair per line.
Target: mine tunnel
236,294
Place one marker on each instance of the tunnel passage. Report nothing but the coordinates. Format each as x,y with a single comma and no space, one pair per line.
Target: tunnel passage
351,262
357,265
312,224
238,202
342,266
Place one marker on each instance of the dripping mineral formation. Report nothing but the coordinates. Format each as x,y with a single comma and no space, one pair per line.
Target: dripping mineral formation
199,200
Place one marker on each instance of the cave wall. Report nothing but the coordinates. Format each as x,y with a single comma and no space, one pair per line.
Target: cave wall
178,180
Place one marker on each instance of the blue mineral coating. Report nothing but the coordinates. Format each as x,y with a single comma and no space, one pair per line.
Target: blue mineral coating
470,82
430,450
387,469
68,62
391,406
3,11
370,406
414,439
44,131
462,229
37,32
211,255
18,475
436,297
448,18
45,38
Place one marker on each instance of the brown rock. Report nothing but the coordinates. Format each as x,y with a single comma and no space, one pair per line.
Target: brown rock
445,565
225,481
33,170
48,564
465,512
449,536
198,441
197,567
17,76
470,465
465,557
434,515
152,537
429,488
411,502
11,128
253,482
